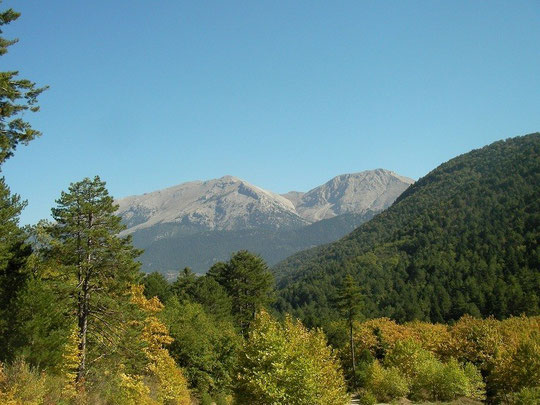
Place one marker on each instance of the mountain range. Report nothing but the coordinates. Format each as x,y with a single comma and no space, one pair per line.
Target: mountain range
198,223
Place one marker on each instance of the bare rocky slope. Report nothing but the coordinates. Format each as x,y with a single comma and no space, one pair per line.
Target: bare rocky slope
373,190
198,223
227,203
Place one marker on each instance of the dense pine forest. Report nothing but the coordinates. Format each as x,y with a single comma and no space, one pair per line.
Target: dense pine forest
435,299
464,239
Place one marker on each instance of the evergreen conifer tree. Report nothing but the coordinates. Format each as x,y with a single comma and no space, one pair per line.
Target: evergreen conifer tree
100,263
248,282
349,303
16,97
14,251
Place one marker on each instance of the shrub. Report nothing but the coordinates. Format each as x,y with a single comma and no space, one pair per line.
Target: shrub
526,396
21,385
386,384
365,397
288,364
431,379
439,382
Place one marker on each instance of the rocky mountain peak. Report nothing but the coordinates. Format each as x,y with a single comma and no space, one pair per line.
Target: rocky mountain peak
226,203
352,193
197,223
230,203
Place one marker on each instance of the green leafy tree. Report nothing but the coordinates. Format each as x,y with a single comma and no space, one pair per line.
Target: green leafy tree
350,305
204,346
431,379
248,282
100,264
285,363
16,97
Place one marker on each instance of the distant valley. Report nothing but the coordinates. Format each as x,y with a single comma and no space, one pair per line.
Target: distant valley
197,223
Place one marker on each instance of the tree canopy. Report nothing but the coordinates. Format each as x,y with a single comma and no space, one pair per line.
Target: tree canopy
464,239
16,97
99,264
248,282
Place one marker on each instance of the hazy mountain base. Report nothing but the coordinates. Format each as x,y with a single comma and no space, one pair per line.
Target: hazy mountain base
202,222
200,250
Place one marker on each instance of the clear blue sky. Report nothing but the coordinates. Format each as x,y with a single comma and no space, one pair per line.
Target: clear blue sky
284,94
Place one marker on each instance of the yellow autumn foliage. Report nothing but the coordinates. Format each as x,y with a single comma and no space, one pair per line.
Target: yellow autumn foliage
507,352
20,385
167,381
379,335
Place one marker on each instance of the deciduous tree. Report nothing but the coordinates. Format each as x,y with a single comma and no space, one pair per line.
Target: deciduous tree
288,364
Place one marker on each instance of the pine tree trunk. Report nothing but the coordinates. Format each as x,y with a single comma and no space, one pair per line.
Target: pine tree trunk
352,349
83,327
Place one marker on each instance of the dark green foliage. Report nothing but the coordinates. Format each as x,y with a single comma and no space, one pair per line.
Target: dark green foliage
184,286
246,279
43,324
14,252
204,290
213,297
204,346
99,266
349,304
463,239
349,299
16,97
156,285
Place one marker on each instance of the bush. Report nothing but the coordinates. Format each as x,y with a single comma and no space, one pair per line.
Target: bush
386,384
431,379
288,364
21,385
440,382
526,396
365,397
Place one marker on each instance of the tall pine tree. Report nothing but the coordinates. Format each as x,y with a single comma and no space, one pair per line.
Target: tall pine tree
16,97
14,252
100,264
350,304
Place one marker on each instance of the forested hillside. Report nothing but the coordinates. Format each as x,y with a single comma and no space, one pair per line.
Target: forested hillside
463,239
